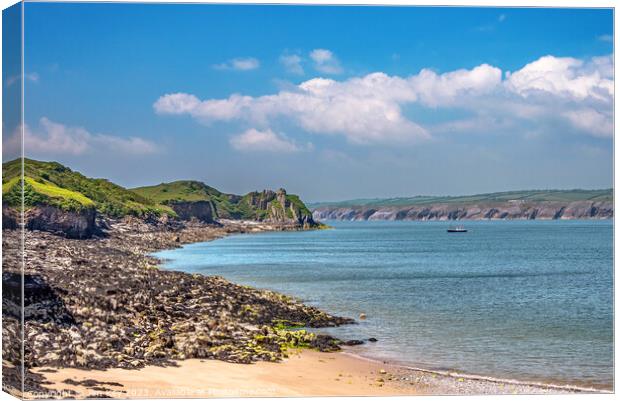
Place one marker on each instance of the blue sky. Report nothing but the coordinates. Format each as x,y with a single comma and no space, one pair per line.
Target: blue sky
328,102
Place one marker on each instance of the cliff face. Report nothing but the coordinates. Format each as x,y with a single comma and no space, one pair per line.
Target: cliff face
71,224
266,206
59,200
278,207
200,210
491,211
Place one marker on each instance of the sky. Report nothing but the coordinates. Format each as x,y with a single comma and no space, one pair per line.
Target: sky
328,102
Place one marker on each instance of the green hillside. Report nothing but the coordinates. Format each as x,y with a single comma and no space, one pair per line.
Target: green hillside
251,206
53,184
177,191
496,197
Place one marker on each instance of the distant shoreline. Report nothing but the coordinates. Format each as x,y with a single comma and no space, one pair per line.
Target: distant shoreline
507,210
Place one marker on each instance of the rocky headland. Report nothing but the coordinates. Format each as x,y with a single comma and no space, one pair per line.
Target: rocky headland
59,200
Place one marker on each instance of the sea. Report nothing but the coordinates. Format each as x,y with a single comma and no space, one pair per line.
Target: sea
527,301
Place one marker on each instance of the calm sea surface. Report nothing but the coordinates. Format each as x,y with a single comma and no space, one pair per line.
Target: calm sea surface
522,300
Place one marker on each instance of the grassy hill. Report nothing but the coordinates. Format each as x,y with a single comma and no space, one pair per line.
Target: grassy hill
251,206
51,183
496,197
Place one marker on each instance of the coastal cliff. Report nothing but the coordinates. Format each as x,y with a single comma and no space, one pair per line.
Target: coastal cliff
59,200
539,211
523,205
200,210
263,206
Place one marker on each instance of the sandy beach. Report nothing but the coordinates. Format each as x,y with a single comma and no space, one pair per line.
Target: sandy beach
304,373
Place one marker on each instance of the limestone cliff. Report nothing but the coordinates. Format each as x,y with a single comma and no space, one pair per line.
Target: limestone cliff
267,205
541,210
278,207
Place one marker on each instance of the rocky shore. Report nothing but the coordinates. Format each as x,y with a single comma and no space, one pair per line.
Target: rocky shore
103,303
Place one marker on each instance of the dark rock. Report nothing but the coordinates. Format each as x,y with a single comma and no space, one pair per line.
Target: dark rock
40,301
90,383
10,217
353,342
372,340
325,343
70,224
202,211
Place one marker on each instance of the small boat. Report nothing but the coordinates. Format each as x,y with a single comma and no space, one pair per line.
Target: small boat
457,229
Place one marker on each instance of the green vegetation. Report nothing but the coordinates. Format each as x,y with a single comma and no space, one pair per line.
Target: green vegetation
54,191
53,184
251,206
282,324
38,193
529,196
177,191
226,206
294,199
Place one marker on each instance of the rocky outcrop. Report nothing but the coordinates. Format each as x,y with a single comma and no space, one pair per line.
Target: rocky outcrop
202,211
70,224
488,211
277,207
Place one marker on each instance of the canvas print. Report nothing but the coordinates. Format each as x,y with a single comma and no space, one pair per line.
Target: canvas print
207,201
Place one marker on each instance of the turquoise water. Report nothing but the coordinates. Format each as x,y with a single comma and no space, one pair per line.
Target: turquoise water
521,300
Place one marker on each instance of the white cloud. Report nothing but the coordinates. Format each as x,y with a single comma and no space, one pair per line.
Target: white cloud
369,109
292,63
239,64
501,18
32,77
364,110
55,138
445,89
254,140
325,61
564,77
605,38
